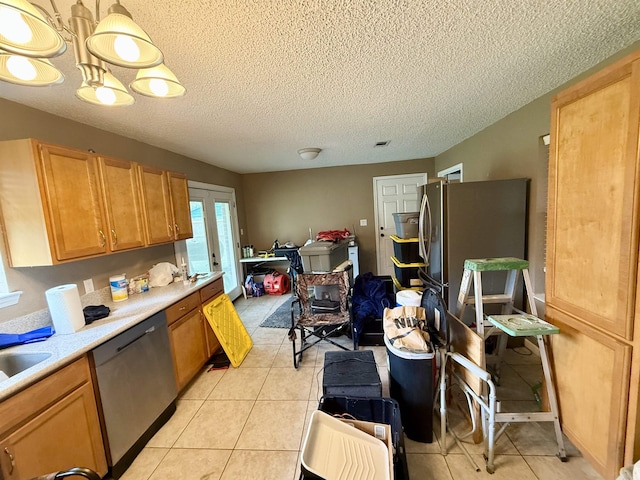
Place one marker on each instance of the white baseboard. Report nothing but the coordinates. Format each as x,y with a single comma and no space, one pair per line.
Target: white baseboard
532,346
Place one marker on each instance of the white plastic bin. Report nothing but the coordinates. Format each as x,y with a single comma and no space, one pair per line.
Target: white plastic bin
408,298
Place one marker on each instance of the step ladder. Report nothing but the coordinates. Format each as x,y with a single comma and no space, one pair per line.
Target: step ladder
512,324
473,269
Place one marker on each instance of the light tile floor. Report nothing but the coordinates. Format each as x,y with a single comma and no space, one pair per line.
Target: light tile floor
248,422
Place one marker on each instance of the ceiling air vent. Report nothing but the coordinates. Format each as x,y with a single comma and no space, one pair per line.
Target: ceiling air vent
382,144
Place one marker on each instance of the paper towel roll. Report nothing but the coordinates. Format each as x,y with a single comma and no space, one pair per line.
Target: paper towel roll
65,308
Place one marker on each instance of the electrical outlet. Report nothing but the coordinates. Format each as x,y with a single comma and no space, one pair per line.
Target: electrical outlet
88,285
242,231
363,222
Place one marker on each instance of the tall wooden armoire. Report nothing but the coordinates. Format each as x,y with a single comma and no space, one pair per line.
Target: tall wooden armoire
592,263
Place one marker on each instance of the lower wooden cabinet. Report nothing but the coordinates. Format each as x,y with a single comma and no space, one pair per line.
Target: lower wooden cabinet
192,339
52,426
188,345
208,293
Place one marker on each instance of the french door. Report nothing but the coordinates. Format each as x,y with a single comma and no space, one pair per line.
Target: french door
214,246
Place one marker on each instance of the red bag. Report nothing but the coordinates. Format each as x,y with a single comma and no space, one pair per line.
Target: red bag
276,283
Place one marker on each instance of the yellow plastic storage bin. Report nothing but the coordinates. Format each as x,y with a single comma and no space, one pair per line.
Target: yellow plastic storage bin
226,324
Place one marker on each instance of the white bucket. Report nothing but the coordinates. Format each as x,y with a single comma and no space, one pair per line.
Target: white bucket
119,290
408,298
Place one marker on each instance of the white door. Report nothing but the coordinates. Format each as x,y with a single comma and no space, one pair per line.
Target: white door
393,194
215,245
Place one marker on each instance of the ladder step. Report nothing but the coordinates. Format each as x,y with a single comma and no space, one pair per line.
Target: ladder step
495,264
498,298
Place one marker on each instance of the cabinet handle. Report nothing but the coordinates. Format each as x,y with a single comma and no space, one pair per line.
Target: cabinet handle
11,459
176,227
104,239
182,308
170,230
114,235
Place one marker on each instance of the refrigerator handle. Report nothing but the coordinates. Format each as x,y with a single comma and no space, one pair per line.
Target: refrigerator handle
424,241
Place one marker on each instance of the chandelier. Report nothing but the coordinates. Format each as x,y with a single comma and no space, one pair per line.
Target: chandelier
29,36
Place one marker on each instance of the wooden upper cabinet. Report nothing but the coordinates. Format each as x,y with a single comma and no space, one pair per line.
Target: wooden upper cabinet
180,205
51,203
122,203
156,204
592,244
60,204
592,263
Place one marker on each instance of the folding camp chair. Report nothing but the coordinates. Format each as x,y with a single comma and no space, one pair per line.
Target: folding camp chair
320,309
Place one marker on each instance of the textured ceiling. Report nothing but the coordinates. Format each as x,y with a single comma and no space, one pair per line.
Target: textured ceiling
266,78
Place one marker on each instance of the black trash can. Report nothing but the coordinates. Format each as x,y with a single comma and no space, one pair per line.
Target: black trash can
411,377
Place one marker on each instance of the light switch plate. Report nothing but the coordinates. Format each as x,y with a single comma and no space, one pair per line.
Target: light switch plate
363,222
88,285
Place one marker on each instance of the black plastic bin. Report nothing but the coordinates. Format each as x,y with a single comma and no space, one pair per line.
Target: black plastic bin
411,384
352,374
381,410
406,250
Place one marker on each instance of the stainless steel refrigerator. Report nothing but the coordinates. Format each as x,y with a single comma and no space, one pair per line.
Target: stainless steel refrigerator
472,220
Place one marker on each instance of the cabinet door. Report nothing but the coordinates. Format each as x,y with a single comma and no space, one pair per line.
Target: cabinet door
122,204
188,347
64,436
156,205
592,245
213,344
71,192
180,204
591,372
207,294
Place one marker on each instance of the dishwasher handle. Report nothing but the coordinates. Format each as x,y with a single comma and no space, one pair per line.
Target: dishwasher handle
146,332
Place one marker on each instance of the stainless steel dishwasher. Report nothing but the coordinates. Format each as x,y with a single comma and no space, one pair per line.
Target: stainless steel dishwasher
136,388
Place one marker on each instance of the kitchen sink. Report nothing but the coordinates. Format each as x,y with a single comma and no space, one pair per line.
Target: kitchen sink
13,363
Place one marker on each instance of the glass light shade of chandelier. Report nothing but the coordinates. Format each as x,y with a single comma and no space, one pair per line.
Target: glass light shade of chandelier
24,31
112,93
120,41
159,82
28,71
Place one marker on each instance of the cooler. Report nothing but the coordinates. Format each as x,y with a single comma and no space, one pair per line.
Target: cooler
322,257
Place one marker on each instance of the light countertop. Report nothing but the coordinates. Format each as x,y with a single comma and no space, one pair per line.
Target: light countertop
125,314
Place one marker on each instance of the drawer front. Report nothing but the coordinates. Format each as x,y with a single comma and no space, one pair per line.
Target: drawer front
184,306
212,290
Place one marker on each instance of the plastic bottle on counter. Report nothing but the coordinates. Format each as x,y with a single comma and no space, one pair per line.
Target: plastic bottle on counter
184,272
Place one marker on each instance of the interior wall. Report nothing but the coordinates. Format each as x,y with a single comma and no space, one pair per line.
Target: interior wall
513,148
285,205
19,121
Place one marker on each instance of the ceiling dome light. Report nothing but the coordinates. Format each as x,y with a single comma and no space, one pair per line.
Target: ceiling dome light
119,40
309,153
24,31
36,72
112,93
157,82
